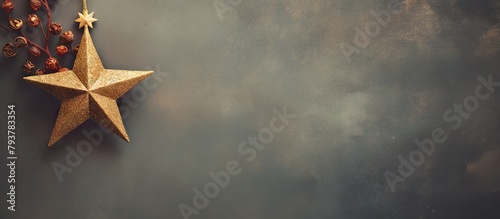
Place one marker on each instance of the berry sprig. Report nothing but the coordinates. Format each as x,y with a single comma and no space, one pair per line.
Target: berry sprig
35,50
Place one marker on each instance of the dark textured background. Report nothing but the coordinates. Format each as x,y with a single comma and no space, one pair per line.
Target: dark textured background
221,81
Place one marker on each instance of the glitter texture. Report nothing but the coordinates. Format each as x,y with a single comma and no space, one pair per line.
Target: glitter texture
88,92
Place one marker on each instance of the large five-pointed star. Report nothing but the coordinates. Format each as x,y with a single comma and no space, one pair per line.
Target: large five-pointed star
88,91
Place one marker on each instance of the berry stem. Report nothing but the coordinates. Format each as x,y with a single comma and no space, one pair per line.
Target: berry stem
46,51
4,28
46,34
43,31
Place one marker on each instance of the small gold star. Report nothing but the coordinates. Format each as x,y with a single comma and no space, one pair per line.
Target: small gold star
89,91
85,19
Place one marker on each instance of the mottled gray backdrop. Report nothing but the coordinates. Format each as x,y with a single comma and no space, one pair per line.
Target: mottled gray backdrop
220,74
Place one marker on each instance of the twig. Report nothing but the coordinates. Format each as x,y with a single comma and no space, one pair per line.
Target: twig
46,4
46,51
43,31
3,27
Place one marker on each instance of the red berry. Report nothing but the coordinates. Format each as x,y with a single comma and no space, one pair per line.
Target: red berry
61,50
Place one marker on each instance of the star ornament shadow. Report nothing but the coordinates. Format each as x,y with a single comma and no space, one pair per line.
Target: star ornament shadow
88,91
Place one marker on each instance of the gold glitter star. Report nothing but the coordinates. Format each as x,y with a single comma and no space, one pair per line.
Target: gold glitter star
88,91
85,19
